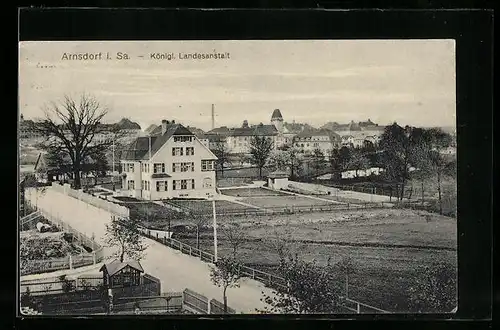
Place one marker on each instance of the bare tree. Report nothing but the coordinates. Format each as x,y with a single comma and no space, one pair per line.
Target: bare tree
70,128
235,236
124,233
198,220
221,151
260,149
226,274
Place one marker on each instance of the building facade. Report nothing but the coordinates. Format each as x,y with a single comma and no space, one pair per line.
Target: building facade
322,139
238,140
174,164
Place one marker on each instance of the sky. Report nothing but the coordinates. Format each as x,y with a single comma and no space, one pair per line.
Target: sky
411,82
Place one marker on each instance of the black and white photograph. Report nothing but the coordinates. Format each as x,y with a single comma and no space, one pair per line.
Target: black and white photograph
237,177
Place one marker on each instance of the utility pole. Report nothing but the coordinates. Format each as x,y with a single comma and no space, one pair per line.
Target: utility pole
215,229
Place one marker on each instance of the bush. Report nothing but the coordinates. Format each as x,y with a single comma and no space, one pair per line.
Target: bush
436,289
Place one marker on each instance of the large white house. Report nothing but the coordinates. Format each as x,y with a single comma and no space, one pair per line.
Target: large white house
172,164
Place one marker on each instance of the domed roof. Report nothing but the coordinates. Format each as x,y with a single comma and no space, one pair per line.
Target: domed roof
276,114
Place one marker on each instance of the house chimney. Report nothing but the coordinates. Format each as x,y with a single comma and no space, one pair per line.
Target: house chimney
164,124
173,121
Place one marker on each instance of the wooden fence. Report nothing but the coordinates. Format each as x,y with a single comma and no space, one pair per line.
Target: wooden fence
216,307
195,301
255,274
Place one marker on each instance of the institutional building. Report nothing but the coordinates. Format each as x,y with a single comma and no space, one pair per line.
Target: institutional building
172,164
238,139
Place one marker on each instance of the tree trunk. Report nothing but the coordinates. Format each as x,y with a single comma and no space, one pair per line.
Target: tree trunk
260,172
122,255
439,191
76,175
225,300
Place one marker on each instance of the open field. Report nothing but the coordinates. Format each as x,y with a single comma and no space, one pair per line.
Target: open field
387,246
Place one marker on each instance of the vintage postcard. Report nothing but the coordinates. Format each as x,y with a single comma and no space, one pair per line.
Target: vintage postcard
237,177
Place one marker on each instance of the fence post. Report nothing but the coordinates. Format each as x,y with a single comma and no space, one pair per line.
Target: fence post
190,250
270,282
180,246
93,257
358,308
253,274
70,262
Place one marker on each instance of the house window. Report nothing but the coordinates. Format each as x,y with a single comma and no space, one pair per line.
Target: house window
207,183
177,185
148,185
176,167
192,184
161,186
183,139
159,168
129,167
130,185
189,151
177,151
183,184
207,165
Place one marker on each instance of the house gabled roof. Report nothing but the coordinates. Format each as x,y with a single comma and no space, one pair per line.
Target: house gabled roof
115,266
139,149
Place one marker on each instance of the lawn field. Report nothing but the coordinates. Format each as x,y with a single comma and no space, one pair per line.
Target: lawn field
251,192
152,215
205,207
282,201
387,247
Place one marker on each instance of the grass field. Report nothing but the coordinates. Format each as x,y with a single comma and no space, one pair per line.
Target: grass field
282,201
387,246
251,192
205,207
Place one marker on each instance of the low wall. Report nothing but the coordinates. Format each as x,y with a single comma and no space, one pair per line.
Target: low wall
92,200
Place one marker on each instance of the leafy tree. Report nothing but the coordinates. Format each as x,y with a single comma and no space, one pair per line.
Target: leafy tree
124,233
344,156
260,149
70,129
278,160
401,149
318,160
432,161
225,274
435,289
295,160
221,150
358,162
310,289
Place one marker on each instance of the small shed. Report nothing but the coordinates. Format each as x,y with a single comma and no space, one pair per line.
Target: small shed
277,180
118,274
